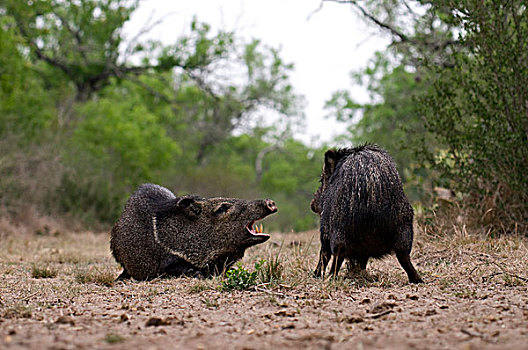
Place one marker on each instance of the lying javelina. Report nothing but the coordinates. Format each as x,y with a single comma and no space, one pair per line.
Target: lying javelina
364,212
161,234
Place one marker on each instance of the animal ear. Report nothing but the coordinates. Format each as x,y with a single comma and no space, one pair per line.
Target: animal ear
330,162
190,206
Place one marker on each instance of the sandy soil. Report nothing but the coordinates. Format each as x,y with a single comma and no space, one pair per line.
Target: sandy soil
56,292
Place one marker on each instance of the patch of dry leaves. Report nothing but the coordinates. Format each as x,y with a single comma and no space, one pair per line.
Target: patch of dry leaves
475,296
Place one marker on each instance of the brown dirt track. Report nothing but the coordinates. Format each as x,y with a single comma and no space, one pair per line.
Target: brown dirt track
475,297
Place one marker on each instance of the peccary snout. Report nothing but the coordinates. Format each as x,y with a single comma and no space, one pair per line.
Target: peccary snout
270,205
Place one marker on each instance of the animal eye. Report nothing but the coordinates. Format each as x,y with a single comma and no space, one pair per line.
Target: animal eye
223,208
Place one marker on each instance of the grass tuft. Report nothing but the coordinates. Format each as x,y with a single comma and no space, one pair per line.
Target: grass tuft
202,285
114,338
43,272
18,311
93,275
271,271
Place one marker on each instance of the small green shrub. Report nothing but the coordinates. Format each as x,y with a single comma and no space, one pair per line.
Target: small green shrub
241,279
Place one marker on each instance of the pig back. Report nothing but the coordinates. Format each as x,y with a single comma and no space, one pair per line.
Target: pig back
363,201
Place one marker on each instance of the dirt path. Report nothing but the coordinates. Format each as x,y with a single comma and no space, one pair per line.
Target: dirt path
476,297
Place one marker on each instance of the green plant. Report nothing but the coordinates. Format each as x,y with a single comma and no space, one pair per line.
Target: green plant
465,293
272,269
241,279
477,113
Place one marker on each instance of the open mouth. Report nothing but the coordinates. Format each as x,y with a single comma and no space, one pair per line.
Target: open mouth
256,230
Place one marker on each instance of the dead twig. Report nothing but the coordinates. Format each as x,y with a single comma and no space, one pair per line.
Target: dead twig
27,297
271,292
471,333
379,314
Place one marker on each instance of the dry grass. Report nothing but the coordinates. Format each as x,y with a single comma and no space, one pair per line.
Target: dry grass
95,275
475,296
43,272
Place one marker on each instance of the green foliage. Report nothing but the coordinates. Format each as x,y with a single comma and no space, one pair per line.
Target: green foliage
395,79
196,50
390,120
117,145
477,109
456,82
227,169
126,139
238,278
114,338
78,39
272,270
105,123
291,177
391,116
93,275
22,106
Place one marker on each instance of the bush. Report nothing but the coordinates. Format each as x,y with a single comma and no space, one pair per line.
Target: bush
238,278
477,110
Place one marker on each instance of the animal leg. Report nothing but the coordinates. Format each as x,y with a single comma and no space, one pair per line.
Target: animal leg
336,264
324,258
405,262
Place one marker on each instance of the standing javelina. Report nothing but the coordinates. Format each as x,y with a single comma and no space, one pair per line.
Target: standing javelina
364,212
161,234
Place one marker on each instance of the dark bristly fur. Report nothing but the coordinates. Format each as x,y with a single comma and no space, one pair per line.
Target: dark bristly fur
161,234
364,211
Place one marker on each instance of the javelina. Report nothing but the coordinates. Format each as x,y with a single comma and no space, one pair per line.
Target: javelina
364,212
161,234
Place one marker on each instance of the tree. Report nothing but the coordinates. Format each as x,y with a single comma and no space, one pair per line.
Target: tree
416,27
21,105
472,57
392,113
394,79
108,114
80,39
478,109
214,107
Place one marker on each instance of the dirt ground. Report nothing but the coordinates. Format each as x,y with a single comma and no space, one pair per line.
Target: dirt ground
56,292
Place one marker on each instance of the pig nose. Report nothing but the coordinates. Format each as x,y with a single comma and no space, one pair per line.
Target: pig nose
270,205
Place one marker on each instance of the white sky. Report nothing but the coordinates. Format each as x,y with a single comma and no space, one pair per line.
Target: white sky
324,46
